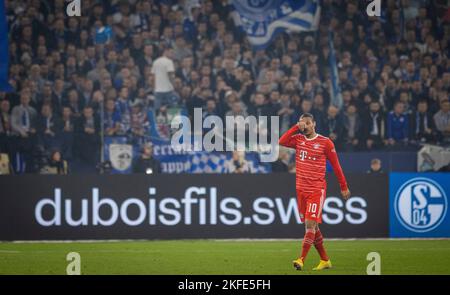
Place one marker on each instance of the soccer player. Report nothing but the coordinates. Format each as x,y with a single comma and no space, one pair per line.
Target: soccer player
312,152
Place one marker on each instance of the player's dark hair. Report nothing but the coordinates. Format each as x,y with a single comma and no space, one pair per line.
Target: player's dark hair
308,115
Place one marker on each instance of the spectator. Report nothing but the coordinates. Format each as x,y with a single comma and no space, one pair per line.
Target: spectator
58,95
186,67
334,127
308,93
45,96
422,124
273,106
73,103
146,163
211,108
397,125
305,107
285,113
319,113
237,109
164,71
112,65
197,100
111,123
163,123
373,126
227,73
123,111
259,107
87,136
86,92
282,163
55,165
237,163
442,120
95,73
67,133
138,123
146,59
375,167
180,49
405,98
352,123
23,123
5,127
48,128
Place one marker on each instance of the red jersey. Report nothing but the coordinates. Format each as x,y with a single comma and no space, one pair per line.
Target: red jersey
311,160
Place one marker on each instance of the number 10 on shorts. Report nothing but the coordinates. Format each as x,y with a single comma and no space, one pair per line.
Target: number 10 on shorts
312,207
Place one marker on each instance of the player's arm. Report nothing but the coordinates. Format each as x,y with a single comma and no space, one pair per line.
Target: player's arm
287,138
331,154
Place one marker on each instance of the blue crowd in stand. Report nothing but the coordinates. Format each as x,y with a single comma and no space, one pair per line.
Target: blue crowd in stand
107,69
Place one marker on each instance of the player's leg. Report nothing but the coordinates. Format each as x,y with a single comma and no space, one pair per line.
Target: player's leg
302,208
318,240
318,244
308,241
311,220
325,261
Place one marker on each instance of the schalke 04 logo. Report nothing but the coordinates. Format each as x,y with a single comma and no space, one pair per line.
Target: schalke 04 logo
420,204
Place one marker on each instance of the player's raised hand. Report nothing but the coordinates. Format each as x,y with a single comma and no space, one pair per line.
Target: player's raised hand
345,194
301,126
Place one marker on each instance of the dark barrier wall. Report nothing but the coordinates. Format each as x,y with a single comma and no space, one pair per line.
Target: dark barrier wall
182,206
390,161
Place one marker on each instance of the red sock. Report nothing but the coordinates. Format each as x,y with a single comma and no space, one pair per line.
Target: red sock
318,243
308,240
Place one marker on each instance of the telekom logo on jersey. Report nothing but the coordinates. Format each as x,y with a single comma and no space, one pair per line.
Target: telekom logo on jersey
302,155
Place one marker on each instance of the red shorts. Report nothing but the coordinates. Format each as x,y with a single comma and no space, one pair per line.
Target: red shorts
310,205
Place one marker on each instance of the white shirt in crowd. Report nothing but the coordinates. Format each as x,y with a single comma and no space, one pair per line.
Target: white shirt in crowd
161,69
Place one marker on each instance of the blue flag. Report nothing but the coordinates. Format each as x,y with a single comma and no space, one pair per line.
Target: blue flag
4,54
336,95
263,20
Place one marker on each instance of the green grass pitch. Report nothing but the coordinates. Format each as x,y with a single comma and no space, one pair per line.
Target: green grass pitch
224,257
